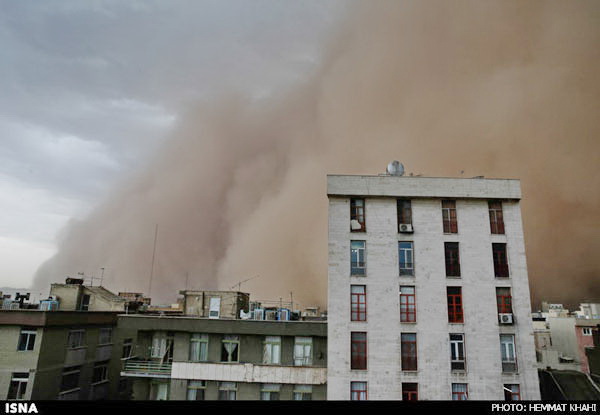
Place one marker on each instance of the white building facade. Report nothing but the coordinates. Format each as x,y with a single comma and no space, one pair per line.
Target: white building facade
428,290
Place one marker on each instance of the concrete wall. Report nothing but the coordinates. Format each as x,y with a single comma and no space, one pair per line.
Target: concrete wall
562,330
384,375
12,360
197,303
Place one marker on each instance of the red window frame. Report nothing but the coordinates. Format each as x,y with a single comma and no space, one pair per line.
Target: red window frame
496,217
356,300
459,394
449,216
408,306
410,391
357,213
455,305
359,392
503,301
358,350
452,257
408,351
509,395
500,260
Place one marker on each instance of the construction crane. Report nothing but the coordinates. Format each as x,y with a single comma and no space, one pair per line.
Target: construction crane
239,284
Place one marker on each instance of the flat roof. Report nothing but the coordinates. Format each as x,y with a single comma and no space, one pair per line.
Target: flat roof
43,318
422,187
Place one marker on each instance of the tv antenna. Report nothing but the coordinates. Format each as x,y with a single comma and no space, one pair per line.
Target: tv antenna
239,284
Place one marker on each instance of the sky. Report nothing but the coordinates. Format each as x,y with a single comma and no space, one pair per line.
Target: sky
217,122
91,89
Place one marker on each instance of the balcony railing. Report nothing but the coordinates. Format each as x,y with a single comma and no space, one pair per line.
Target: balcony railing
145,368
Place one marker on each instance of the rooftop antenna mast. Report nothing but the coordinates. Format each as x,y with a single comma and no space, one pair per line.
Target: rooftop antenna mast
153,256
239,284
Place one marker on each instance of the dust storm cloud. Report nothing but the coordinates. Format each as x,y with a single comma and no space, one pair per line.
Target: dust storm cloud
503,89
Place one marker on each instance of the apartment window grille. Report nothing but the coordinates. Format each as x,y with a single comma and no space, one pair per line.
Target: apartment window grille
227,391
199,347
406,258
452,259
269,392
408,351
455,305
408,306
457,352
195,390
272,350
230,348
404,211
358,302
303,392
500,260
449,216
358,349
512,392
410,391
496,217
460,392
27,339
508,353
504,300
358,391
357,215
76,339
303,351
18,386
358,263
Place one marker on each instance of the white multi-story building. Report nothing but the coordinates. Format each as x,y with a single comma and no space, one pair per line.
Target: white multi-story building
428,290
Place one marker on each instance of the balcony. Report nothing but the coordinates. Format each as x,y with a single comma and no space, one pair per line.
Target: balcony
146,368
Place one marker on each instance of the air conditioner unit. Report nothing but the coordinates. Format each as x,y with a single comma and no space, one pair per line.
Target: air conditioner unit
405,228
505,318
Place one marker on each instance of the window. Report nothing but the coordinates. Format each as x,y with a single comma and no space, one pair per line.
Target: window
303,351
500,260
272,350
100,372
452,259
199,347
18,386
455,306
586,331
404,212
357,215
302,392
408,351
459,392
358,391
358,303
496,219
105,336
127,348
269,392
85,302
507,350
449,216
512,393
159,391
457,352
410,391
503,300
70,378
195,390
405,255
215,307
76,339
227,391
358,347
357,258
230,348
27,339
408,308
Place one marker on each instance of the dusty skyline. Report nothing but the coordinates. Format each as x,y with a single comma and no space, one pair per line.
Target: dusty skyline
502,89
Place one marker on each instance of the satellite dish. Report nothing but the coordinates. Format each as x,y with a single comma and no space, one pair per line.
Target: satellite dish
395,168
